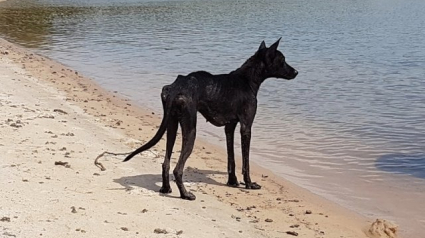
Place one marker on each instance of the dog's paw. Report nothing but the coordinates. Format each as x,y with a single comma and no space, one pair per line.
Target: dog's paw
233,184
188,196
252,185
165,190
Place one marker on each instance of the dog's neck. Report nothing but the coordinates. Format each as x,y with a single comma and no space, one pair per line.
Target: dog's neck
253,70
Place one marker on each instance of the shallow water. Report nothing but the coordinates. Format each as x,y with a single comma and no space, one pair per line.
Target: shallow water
350,127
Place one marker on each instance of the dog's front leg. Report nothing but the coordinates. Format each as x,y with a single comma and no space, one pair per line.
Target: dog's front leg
246,141
229,129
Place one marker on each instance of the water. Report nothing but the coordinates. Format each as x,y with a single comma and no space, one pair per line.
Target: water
350,127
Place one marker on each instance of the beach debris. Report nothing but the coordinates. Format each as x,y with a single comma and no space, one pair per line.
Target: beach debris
46,116
73,210
63,163
144,210
292,233
8,234
383,228
259,228
5,219
236,217
268,220
80,230
308,212
60,111
124,228
160,231
294,226
179,232
100,165
16,124
292,200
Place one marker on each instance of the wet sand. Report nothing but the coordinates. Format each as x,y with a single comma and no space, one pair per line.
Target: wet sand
56,121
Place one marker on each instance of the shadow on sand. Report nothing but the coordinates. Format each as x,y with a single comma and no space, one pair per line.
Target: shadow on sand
410,164
153,182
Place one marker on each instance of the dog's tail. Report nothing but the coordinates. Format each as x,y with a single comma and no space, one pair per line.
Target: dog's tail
162,128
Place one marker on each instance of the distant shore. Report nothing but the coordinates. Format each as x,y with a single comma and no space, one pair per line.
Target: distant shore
55,123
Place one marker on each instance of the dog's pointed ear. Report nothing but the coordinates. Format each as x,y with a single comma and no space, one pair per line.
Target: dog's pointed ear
262,46
273,47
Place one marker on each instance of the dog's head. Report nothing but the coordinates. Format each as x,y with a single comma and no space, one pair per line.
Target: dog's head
274,62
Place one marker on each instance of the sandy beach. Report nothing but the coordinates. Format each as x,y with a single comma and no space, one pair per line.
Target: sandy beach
54,122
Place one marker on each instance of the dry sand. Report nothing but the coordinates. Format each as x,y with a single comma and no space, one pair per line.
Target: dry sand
50,113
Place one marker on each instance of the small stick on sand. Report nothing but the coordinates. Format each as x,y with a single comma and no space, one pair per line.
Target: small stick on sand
100,165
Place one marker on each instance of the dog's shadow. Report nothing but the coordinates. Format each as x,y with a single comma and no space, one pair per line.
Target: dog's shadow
153,182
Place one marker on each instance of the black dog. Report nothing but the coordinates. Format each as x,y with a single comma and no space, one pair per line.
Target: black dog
224,100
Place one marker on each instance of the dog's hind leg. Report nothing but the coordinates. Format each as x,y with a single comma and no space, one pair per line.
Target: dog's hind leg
171,139
188,126
229,129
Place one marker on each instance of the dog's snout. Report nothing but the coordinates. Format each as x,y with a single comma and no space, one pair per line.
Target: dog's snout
295,72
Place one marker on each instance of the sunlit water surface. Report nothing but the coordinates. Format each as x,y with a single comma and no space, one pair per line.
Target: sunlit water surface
350,127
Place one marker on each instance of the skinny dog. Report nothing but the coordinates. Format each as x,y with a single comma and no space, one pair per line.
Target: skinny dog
224,100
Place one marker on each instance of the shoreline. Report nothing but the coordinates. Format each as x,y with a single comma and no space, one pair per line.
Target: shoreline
279,200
